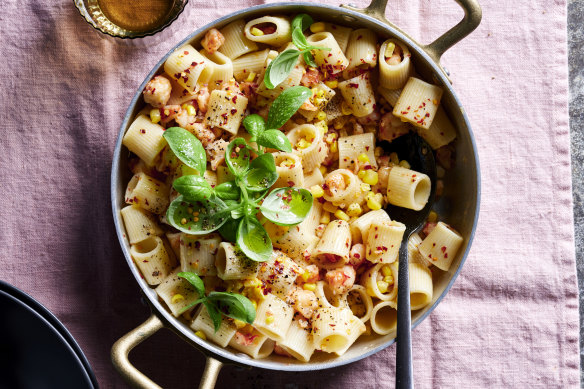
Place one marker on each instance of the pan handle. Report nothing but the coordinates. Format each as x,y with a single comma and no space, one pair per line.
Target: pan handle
121,349
471,20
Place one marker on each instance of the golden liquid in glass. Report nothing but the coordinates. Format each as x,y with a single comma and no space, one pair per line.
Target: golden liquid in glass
136,15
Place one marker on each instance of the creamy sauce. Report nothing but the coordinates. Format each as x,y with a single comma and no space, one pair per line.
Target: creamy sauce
136,15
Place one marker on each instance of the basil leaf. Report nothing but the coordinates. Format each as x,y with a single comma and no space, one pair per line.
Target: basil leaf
302,21
187,148
262,173
184,309
238,212
286,105
194,280
200,217
229,230
280,68
237,306
254,124
287,206
237,161
193,188
299,39
214,314
275,139
309,59
227,191
253,240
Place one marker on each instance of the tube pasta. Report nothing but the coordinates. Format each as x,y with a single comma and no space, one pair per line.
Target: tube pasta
330,61
313,178
384,240
204,323
289,169
340,33
361,51
185,65
148,193
390,95
273,317
281,34
350,147
197,254
441,246
236,44
418,103
278,274
414,255
360,226
373,276
218,70
260,347
177,293
226,110
421,286
144,139
394,76
307,141
342,197
358,94
359,302
232,264
338,337
293,79
250,63
179,95
384,317
326,297
152,259
441,131
140,224
298,342
332,250
408,188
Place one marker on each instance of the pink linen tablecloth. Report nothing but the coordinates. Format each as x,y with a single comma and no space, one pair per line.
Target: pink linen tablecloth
510,320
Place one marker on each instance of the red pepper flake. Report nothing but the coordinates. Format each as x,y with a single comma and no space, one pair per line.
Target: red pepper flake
443,248
186,52
142,131
290,183
354,85
359,37
233,111
234,99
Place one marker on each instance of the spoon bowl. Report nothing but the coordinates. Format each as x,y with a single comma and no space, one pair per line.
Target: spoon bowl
418,153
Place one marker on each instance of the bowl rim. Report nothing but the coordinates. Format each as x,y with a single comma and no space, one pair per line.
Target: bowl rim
216,351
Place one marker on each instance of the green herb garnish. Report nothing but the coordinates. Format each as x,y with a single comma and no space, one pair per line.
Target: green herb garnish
232,305
282,65
231,207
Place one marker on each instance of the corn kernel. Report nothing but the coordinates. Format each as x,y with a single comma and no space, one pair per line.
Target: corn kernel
325,218
323,170
191,111
393,158
321,115
404,164
365,187
363,158
332,84
388,279
254,303
252,282
303,143
389,49
432,217
155,116
361,174
256,31
317,191
177,298
317,27
329,207
342,215
269,319
386,271
372,202
239,324
250,77
354,210
345,109
382,286
305,276
201,335
371,177
288,162
311,287
334,147
322,126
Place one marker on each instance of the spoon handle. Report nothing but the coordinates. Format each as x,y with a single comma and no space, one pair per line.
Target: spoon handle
404,375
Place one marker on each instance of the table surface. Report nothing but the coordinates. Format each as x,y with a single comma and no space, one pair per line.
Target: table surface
576,65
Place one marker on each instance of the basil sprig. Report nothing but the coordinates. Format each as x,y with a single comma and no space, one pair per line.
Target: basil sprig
232,206
282,65
232,305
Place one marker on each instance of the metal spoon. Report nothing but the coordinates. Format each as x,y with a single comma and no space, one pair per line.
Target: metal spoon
419,155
